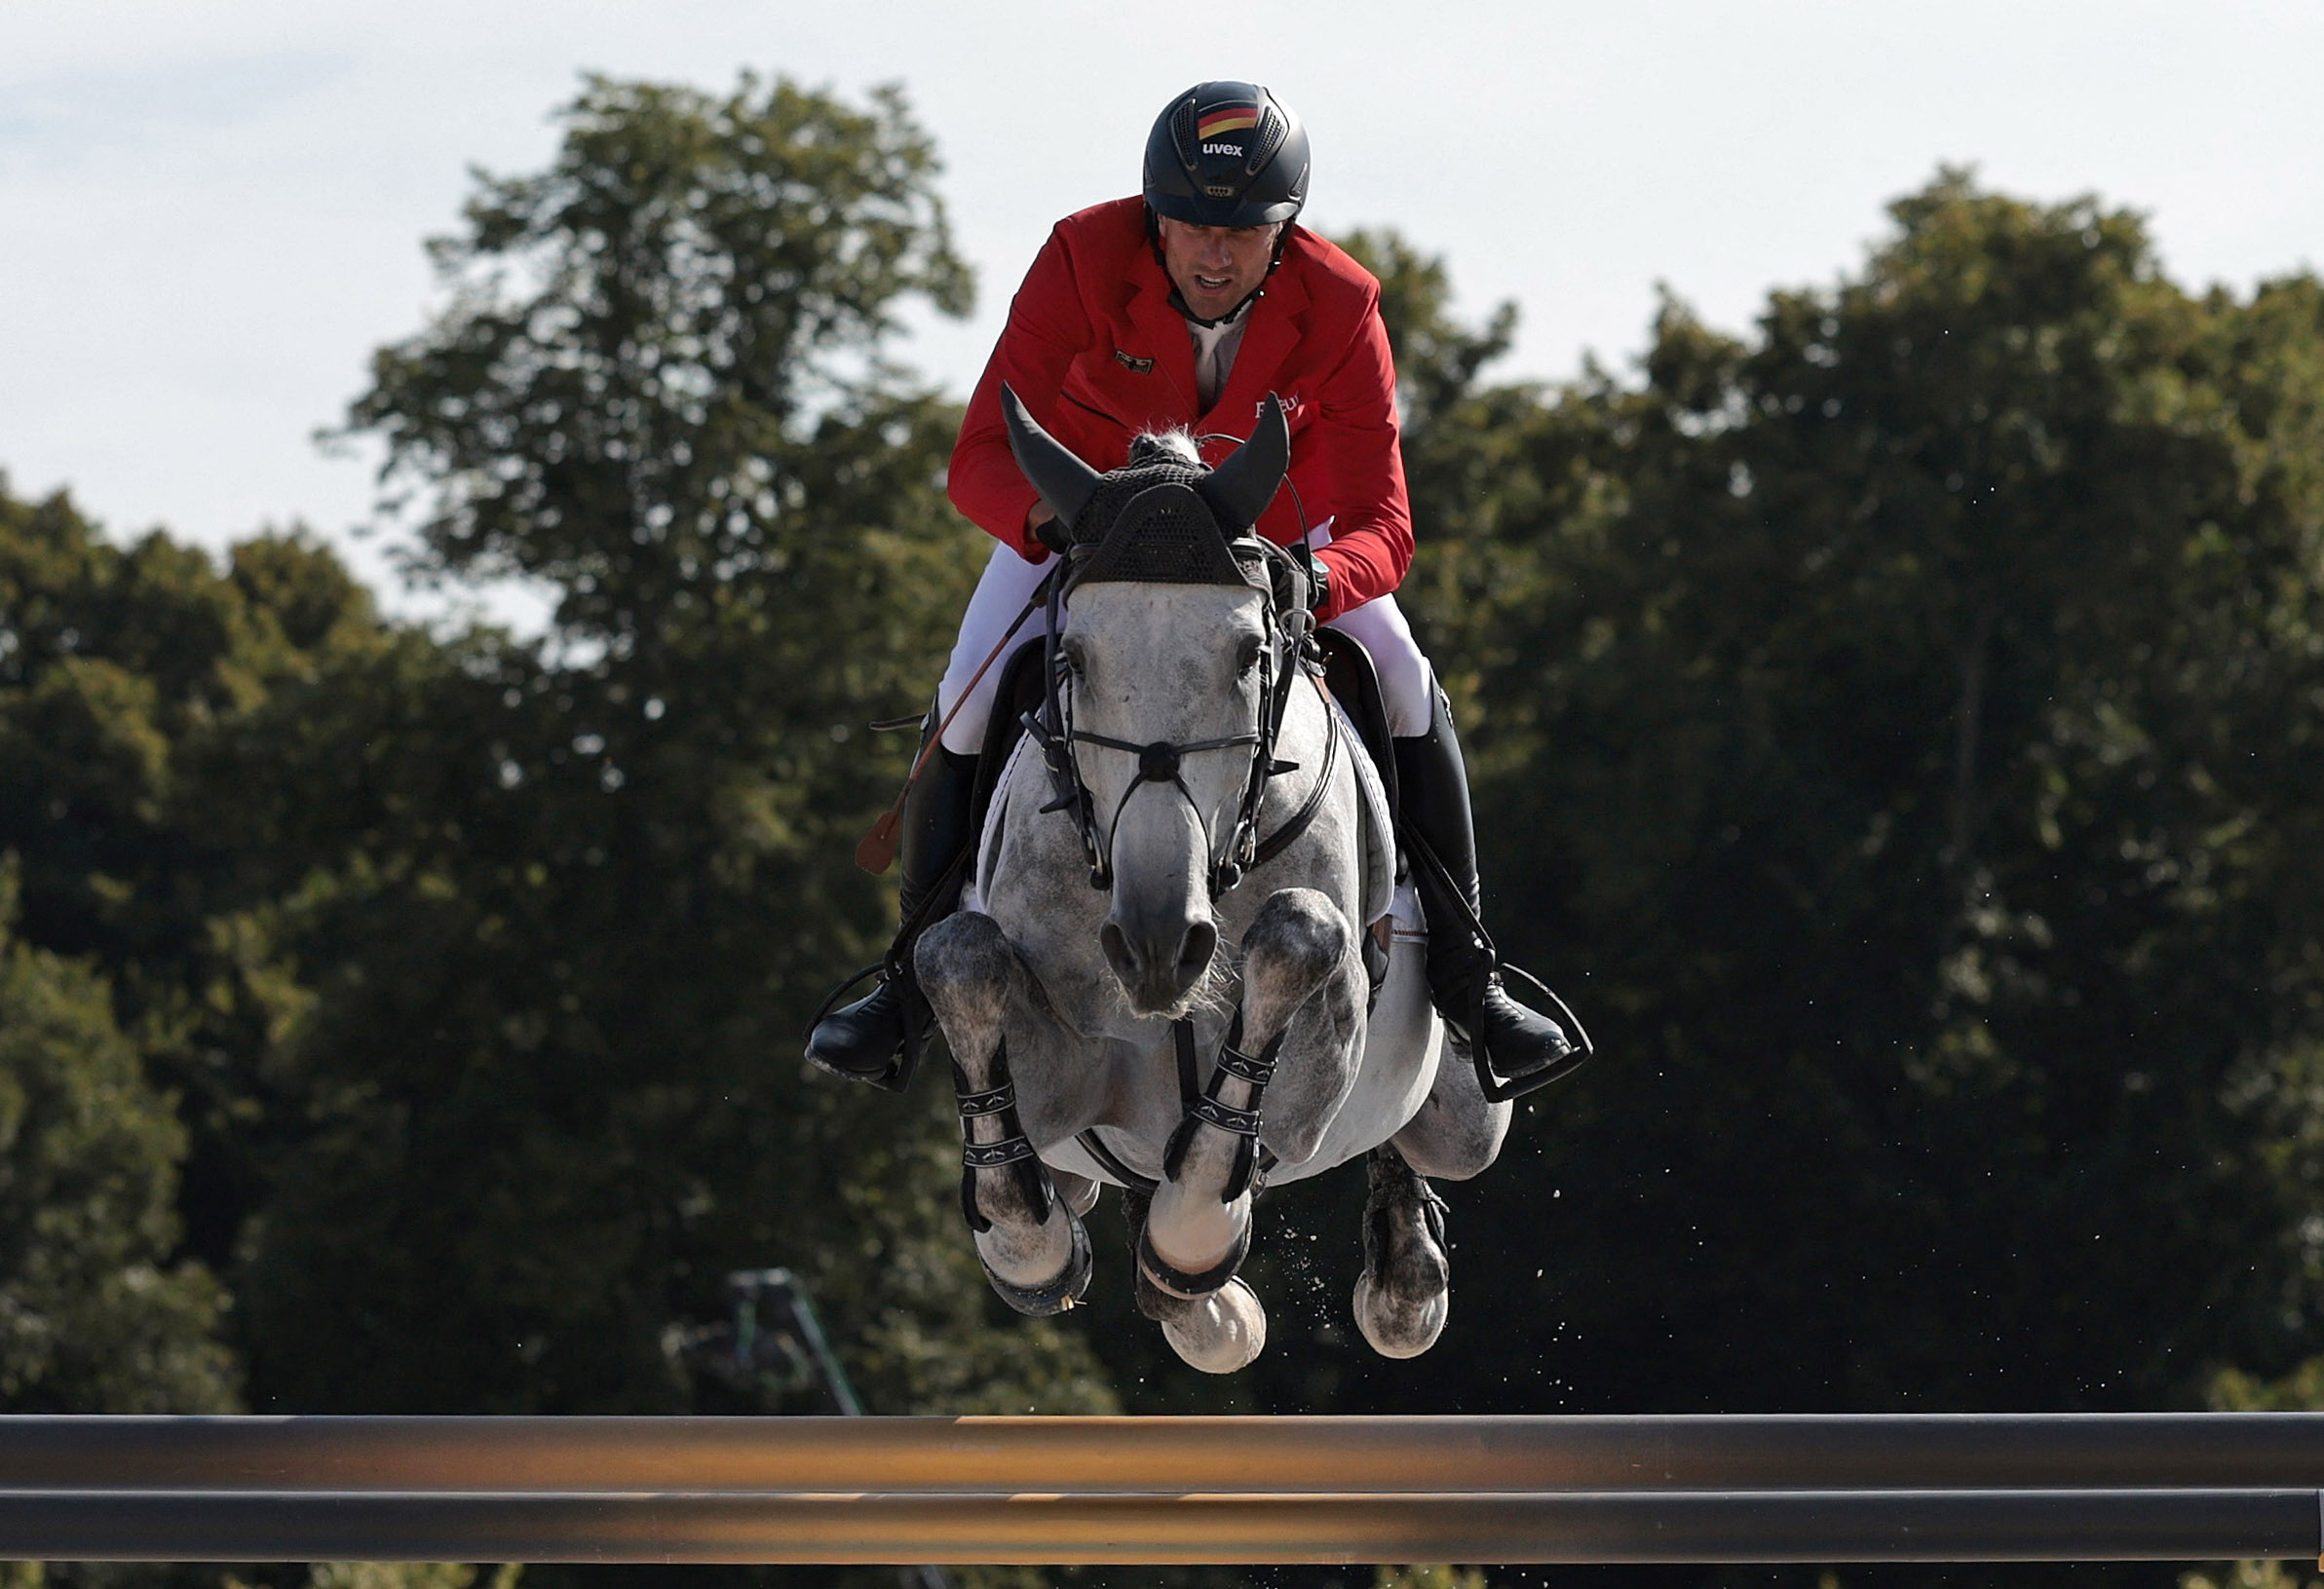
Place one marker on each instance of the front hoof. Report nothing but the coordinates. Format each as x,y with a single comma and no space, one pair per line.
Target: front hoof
1399,1328
1224,1332
1055,1297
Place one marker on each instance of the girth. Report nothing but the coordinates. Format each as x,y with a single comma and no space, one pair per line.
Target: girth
1190,1095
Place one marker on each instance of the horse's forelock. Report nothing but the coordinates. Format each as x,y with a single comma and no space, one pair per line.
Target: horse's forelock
1172,446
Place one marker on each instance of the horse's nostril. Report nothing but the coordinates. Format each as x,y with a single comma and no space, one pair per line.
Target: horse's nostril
1118,951
1194,951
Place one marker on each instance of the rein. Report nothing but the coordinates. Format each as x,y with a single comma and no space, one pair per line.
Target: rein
876,850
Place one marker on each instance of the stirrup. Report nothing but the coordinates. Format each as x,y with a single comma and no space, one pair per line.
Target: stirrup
1500,1088
896,1075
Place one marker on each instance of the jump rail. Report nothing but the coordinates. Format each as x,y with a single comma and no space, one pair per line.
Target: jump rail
2090,1486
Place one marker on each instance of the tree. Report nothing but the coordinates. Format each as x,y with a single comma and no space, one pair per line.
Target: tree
554,1059
98,1311
641,390
1894,728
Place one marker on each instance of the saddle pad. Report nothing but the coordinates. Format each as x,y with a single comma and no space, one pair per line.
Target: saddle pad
1379,894
988,840
1379,885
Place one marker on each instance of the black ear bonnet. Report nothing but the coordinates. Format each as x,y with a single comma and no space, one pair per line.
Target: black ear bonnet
1159,519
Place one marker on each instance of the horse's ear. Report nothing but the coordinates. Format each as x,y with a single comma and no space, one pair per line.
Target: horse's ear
1064,481
1240,489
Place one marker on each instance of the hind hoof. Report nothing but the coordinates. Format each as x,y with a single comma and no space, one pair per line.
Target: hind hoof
1054,1298
1224,1332
1405,1289
1395,1330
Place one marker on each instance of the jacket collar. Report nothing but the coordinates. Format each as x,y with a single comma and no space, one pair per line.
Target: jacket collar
1277,322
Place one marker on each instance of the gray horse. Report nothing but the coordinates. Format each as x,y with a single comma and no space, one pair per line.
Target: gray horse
1159,979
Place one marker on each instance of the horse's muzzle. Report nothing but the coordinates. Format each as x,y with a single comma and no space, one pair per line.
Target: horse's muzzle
1158,963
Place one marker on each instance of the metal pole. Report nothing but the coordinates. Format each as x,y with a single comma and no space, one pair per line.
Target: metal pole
1635,1526
1096,1455
791,1293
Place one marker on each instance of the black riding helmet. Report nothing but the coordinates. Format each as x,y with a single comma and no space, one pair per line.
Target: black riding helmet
1227,154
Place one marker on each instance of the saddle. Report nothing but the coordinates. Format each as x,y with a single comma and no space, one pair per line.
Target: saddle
1349,680
1020,692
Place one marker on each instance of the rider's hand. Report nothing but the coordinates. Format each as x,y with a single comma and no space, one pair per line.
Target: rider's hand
1045,528
1318,585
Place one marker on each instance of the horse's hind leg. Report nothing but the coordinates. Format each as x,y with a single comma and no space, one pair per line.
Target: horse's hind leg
1458,1131
1405,1291
1034,1249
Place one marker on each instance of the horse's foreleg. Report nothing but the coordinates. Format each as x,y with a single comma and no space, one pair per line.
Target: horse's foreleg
1198,1227
1200,1223
1031,1240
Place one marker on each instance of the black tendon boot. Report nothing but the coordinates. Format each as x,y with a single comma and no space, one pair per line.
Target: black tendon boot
878,1038
1516,1048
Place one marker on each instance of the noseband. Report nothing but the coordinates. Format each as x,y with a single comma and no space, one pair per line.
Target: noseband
1289,649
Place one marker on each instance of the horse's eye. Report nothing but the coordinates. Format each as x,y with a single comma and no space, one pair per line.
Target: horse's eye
1246,657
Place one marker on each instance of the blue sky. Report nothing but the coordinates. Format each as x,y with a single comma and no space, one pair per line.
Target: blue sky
211,215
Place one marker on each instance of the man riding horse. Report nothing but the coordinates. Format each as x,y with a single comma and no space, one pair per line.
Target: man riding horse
1185,309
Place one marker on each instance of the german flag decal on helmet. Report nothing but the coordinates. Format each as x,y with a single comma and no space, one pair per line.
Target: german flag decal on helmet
1226,119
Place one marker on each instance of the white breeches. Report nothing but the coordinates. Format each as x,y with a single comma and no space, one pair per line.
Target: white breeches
1406,681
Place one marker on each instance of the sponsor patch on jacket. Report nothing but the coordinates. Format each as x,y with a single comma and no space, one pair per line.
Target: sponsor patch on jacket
1132,364
1225,119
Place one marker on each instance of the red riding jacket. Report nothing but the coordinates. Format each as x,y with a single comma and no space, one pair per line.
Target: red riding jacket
1098,355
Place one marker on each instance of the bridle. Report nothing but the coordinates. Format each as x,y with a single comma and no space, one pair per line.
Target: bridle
1167,522
1287,651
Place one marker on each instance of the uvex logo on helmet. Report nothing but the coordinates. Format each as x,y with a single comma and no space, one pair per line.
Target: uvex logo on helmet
1227,154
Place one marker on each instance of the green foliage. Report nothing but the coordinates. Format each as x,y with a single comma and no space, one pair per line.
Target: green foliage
633,392
563,977
477,966
402,1576
1898,730
2251,1575
1428,1577
96,1315
160,728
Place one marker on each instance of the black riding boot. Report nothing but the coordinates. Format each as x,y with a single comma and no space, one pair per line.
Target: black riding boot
878,1038
1464,975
